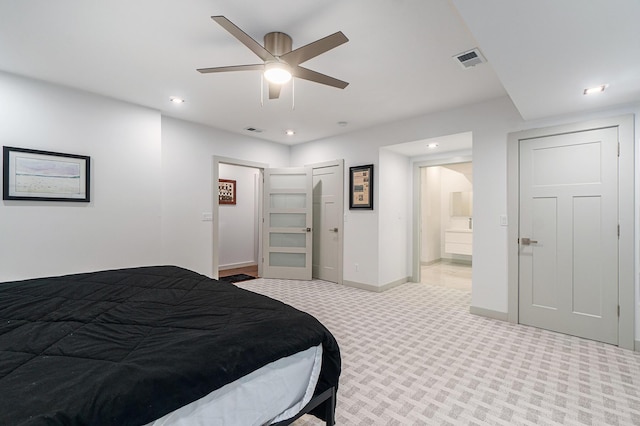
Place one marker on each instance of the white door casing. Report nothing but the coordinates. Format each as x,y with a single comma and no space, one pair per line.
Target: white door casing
288,216
569,233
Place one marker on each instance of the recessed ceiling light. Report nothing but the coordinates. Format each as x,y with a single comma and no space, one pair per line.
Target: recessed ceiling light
342,123
176,100
597,89
290,132
432,146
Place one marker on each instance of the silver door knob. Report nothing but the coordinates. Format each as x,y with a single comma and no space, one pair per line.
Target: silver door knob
527,241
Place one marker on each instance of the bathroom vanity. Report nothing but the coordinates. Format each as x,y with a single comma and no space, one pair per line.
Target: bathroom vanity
458,241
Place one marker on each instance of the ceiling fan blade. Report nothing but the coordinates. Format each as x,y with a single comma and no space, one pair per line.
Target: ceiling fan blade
314,49
307,74
274,90
244,38
232,68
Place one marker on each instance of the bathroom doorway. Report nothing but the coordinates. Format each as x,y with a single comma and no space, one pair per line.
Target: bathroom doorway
446,225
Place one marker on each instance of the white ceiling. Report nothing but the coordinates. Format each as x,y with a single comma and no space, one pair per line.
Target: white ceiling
398,60
460,142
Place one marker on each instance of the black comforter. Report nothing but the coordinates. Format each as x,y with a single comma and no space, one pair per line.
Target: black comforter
125,347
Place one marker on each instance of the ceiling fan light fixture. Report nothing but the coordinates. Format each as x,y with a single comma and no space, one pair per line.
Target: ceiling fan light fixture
277,72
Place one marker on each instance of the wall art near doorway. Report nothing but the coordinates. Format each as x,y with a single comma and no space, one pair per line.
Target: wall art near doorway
361,187
226,191
35,175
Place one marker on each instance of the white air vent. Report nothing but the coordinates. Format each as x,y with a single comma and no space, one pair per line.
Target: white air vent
253,129
470,58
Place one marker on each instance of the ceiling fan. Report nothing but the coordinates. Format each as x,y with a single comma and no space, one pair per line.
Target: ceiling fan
280,62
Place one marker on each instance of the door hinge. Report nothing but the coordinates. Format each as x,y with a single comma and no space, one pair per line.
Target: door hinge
618,149
618,231
618,311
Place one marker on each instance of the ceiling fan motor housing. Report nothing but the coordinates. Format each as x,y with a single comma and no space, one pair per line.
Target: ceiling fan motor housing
278,43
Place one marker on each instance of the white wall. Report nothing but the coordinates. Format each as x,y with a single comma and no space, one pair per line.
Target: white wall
394,173
431,220
121,225
238,224
188,190
151,180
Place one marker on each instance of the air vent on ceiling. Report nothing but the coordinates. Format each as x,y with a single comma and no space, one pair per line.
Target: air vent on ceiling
253,129
470,58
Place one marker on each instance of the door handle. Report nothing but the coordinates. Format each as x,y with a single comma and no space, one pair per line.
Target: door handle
333,229
307,229
527,241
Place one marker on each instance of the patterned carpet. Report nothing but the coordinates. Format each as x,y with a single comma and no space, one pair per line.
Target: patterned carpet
415,356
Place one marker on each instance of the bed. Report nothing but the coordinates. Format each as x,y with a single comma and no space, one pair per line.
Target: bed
136,346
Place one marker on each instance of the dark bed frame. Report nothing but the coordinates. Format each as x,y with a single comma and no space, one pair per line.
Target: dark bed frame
329,395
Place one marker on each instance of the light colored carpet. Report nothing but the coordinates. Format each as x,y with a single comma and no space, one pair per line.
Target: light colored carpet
414,355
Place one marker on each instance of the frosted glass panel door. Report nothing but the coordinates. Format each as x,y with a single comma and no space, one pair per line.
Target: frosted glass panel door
287,229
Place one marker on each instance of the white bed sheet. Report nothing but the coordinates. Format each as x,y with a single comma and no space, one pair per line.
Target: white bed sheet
275,392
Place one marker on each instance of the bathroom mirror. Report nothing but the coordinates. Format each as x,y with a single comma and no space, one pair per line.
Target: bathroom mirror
462,204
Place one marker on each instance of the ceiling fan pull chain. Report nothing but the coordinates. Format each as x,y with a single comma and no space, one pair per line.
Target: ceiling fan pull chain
293,94
261,90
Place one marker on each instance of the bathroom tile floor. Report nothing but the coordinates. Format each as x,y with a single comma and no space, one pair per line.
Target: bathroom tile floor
447,274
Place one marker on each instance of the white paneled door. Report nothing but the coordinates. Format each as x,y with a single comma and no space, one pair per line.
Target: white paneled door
288,216
327,222
568,236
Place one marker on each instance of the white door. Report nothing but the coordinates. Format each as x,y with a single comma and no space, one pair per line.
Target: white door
287,223
327,222
568,236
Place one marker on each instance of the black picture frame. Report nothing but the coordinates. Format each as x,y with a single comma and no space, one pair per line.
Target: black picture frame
361,187
34,175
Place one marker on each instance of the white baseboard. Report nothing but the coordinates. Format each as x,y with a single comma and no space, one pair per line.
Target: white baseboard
236,265
488,313
375,288
448,260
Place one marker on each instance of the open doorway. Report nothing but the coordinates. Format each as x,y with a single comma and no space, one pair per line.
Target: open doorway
446,225
238,222
219,171
449,152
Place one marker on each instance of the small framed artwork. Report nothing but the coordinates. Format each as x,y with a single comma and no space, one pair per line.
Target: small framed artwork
226,191
361,187
35,175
